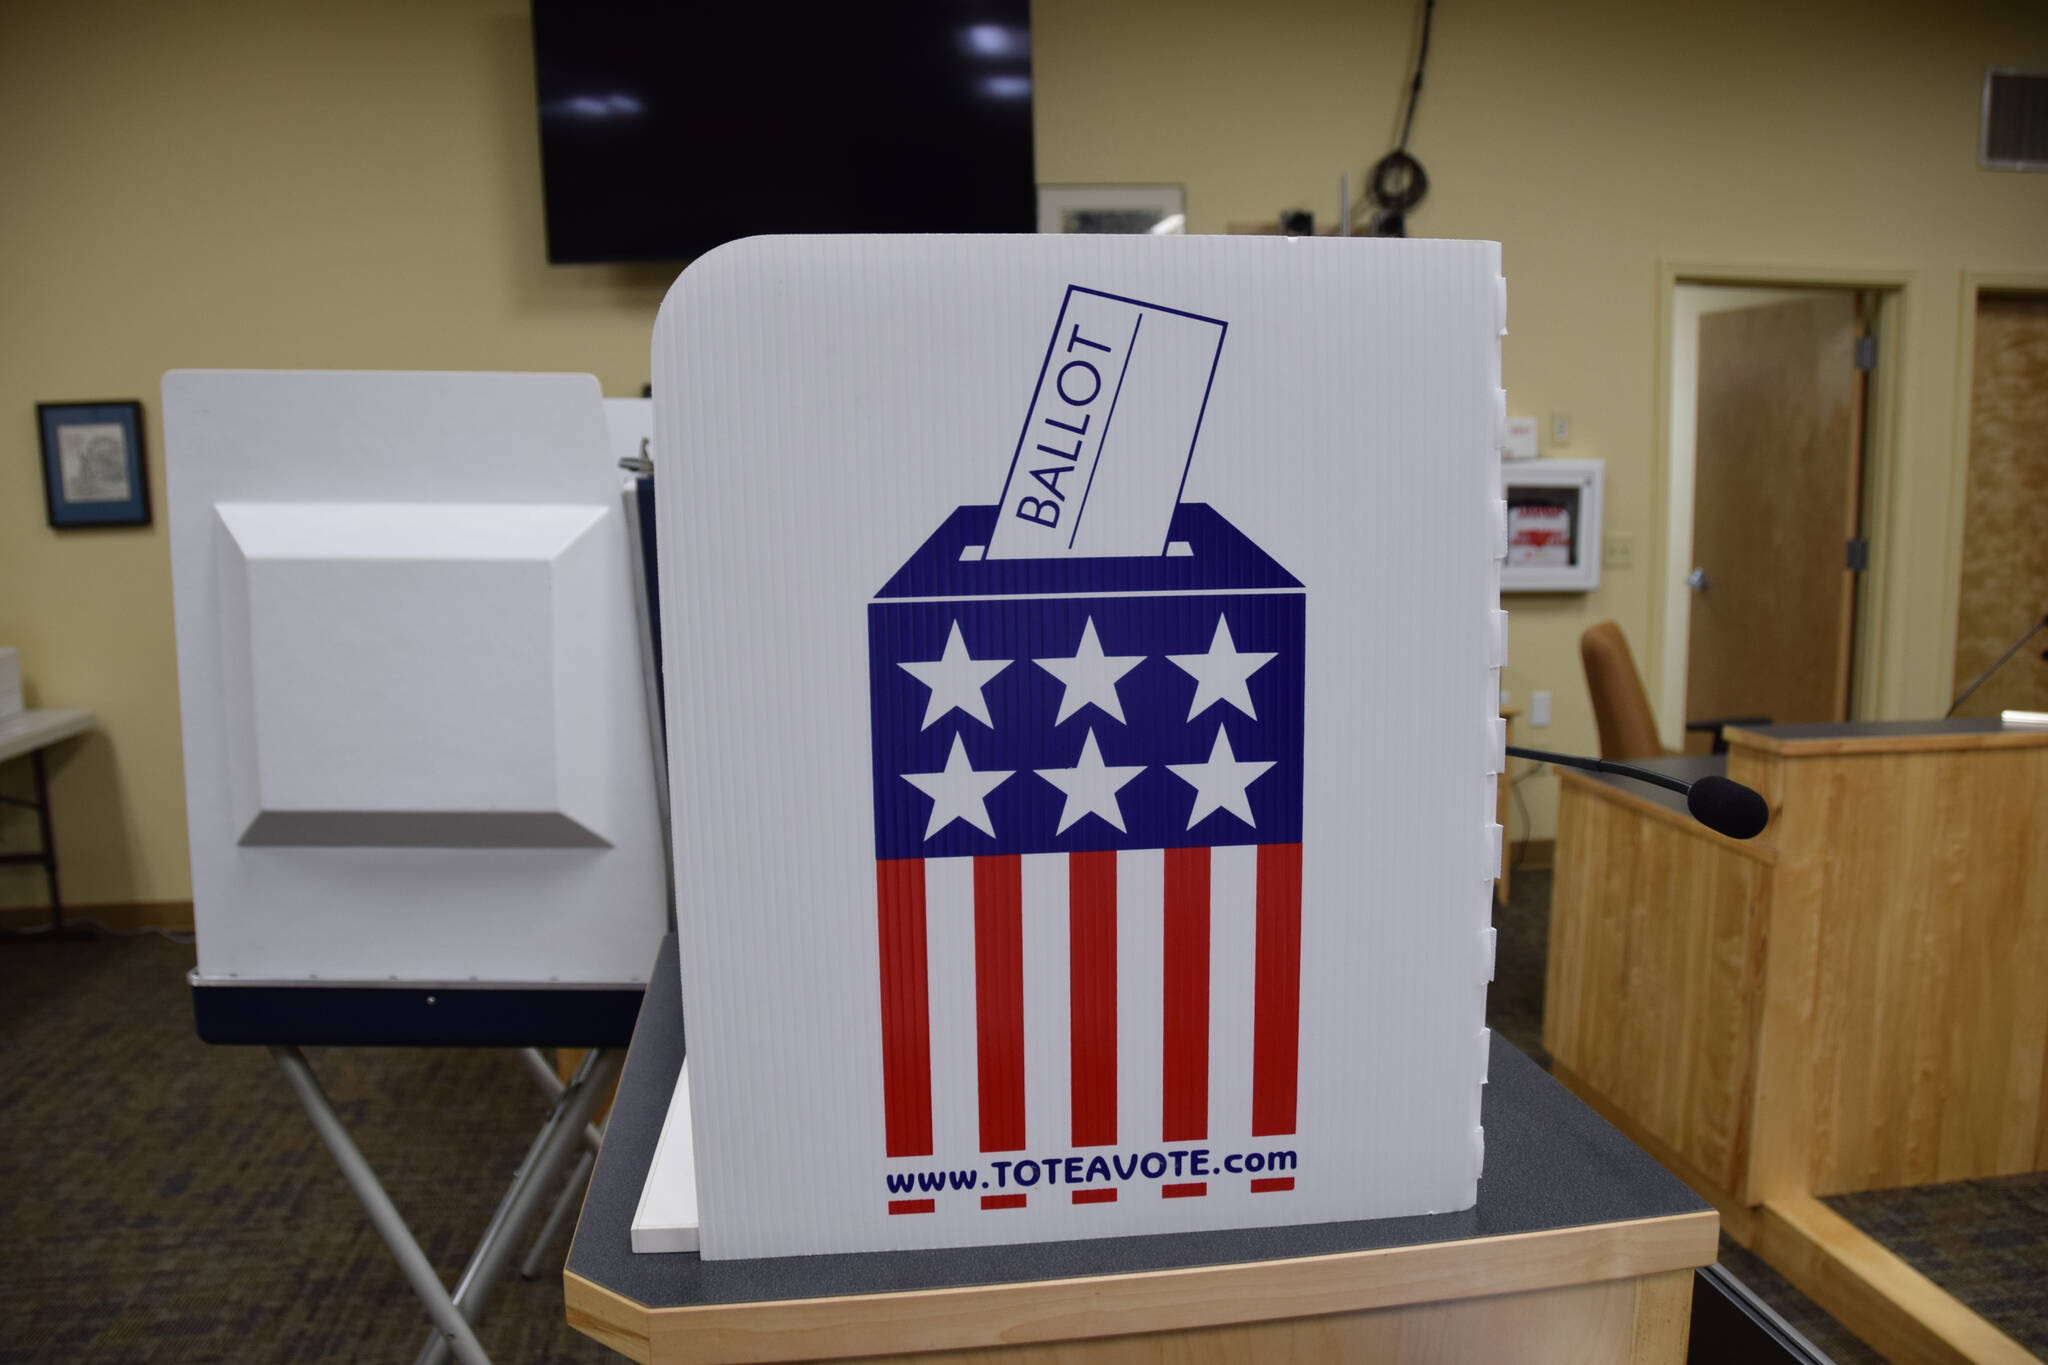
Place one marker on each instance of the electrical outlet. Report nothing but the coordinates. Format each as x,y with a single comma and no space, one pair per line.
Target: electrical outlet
1539,709
1560,428
1618,552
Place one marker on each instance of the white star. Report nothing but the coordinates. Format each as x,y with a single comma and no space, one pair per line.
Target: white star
1090,677
1221,674
1091,787
956,681
1220,783
958,793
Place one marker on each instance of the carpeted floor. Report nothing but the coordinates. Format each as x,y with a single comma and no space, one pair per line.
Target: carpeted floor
1984,1241
163,1200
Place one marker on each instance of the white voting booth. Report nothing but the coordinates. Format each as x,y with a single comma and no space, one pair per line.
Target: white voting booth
421,777
1082,661
415,735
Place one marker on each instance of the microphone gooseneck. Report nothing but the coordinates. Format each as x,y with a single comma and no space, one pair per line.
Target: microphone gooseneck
1723,806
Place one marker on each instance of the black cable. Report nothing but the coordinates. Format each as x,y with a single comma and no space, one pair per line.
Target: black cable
1415,90
1528,825
1985,676
1398,182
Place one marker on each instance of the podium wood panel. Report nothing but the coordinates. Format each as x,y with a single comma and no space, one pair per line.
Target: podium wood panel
1580,1248
1907,1035
1849,1002
1690,983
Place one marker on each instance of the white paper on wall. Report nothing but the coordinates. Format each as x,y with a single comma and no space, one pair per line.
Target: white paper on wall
1136,883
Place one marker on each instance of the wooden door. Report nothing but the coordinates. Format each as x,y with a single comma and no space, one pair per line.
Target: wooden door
2005,522
1777,483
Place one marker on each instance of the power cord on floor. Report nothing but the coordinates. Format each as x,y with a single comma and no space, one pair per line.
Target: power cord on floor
1528,825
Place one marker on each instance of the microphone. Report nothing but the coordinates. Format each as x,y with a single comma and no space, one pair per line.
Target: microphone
1723,806
1985,676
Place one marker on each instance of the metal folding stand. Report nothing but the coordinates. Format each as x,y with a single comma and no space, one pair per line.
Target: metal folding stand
45,855
453,1314
572,1193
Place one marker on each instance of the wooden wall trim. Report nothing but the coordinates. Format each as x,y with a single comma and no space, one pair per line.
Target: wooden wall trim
125,917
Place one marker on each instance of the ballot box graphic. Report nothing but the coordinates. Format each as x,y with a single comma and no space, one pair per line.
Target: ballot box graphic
1069,755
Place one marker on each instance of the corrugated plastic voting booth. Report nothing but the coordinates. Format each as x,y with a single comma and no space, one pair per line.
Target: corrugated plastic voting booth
419,756
1084,762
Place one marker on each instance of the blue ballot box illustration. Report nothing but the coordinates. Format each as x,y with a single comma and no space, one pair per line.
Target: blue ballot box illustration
1069,741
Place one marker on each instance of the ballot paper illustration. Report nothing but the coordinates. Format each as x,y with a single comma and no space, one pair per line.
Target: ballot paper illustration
1082,483
1086,704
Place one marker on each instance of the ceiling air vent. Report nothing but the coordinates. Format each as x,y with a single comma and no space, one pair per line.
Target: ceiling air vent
2015,121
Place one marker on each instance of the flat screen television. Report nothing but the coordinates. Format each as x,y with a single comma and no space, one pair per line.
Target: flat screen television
668,129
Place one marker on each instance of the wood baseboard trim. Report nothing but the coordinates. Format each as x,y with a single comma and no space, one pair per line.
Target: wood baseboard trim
1902,1314
1905,1316
125,917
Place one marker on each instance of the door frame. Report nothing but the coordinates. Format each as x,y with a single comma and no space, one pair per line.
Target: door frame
1974,284
1896,292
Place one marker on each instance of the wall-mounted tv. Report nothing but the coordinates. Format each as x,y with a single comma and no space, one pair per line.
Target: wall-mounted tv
666,129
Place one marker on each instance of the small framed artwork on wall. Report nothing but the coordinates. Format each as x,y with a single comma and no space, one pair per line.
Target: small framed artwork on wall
93,468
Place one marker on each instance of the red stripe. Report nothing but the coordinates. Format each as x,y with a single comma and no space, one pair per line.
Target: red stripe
999,999
906,1011
1002,1201
1184,1110
1091,922
1094,1196
1191,1191
1272,1183
1276,991
912,1205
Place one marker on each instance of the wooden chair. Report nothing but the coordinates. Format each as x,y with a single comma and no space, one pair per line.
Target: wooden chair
1628,727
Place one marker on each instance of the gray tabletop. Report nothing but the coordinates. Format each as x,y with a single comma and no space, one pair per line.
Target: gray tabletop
1550,1163
1881,729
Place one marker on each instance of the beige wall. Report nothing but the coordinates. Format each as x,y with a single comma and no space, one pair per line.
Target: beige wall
357,184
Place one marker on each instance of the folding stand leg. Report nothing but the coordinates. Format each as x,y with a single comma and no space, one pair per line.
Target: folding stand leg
544,1160
572,1194
544,1076
452,1330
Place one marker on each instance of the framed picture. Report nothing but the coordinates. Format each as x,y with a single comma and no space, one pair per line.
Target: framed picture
1112,208
93,470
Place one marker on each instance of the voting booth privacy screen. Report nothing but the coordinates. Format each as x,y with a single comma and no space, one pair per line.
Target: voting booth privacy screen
1082,660
416,740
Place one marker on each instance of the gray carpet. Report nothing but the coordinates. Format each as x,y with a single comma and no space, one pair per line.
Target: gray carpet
164,1200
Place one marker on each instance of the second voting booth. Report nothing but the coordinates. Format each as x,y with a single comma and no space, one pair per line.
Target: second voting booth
1082,674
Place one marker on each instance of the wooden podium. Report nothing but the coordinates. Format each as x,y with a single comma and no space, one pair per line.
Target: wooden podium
1581,1249
1851,1001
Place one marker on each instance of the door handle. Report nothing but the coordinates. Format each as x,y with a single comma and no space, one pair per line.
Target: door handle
1698,581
